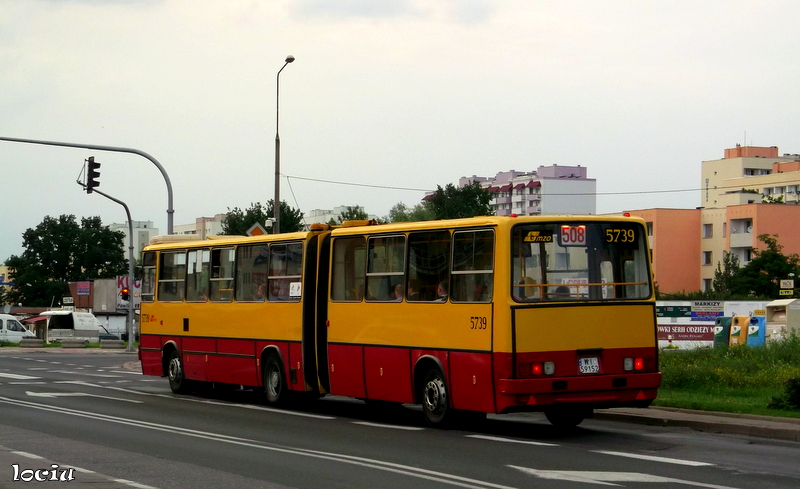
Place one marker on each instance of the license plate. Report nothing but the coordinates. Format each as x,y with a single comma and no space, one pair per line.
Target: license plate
588,365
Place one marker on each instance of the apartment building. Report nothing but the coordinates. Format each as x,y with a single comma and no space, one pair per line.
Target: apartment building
142,232
689,244
202,226
548,190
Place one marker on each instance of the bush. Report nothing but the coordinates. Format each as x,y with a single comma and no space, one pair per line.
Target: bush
790,399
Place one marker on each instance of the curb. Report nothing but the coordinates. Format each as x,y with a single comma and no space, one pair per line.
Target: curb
787,429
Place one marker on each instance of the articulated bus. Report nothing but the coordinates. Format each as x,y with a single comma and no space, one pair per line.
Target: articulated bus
463,316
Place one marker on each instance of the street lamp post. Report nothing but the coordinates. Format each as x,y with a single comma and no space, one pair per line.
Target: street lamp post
277,202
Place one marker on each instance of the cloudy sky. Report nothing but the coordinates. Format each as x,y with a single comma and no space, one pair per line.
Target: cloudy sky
391,96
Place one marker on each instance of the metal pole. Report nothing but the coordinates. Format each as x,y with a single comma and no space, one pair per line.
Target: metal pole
129,319
170,210
277,201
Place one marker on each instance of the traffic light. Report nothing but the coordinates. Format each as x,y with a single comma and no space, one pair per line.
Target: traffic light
92,174
125,294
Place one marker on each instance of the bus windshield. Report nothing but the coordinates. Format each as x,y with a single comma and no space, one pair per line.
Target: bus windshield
579,261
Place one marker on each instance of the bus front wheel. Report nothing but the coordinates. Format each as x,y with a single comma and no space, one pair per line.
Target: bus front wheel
273,380
177,375
435,399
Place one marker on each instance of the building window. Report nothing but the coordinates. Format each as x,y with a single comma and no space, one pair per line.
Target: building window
650,229
724,229
706,258
707,284
708,230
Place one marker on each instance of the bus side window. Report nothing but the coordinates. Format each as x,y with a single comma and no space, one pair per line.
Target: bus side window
222,261
473,266
347,282
385,265
148,276
171,277
428,264
197,275
285,268
251,273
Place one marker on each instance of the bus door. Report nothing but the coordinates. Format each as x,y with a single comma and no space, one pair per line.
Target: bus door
321,345
310,294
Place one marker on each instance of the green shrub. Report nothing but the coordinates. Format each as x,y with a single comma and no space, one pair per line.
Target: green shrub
790,399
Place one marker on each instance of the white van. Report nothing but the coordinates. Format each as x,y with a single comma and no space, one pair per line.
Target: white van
12,330
70,325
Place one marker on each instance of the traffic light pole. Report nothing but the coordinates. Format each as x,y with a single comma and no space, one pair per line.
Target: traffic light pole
129,320
170,210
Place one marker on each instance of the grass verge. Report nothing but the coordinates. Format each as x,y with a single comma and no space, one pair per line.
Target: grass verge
737,379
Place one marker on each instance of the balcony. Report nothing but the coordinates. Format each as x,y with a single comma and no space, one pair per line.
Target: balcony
741,240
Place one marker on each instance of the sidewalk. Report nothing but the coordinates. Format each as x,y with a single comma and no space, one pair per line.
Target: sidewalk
773,427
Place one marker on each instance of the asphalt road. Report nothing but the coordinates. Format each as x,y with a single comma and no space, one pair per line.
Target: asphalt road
84,410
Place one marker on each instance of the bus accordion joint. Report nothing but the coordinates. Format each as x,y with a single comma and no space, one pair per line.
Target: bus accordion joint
319,226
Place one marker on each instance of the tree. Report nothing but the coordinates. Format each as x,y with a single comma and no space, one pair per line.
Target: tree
401,213
59,251
238,221
353,213
452,202
761,277
725,273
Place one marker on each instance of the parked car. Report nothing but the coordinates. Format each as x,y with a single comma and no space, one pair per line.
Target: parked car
12,330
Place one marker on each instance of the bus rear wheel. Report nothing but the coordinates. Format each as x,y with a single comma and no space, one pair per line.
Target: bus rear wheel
176,374
567,417
274,385
435,399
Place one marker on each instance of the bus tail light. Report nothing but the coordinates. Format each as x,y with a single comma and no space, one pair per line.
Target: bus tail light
535,369
633,363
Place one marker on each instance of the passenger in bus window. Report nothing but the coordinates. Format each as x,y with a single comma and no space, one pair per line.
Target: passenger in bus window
413,290
441,291
527,291
397,293
479,293
261,292
561,293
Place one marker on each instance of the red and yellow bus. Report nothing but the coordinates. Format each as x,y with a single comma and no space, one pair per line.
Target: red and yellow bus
479,315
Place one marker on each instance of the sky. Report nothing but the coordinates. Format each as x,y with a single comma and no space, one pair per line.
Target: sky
385,99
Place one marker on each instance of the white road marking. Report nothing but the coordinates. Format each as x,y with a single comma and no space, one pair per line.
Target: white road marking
608,478
653,458
129,372
202,401
511,440
28,455
133,484
405,470
26,383
390,426
17,376
53,395
71,372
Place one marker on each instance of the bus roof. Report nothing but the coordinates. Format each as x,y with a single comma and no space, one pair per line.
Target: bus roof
369,227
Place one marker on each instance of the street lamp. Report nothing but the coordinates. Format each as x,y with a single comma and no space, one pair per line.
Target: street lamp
277,202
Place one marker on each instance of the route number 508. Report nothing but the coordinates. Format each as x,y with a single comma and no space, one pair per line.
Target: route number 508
478,322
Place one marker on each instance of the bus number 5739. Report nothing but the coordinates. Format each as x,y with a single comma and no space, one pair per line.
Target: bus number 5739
478,322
